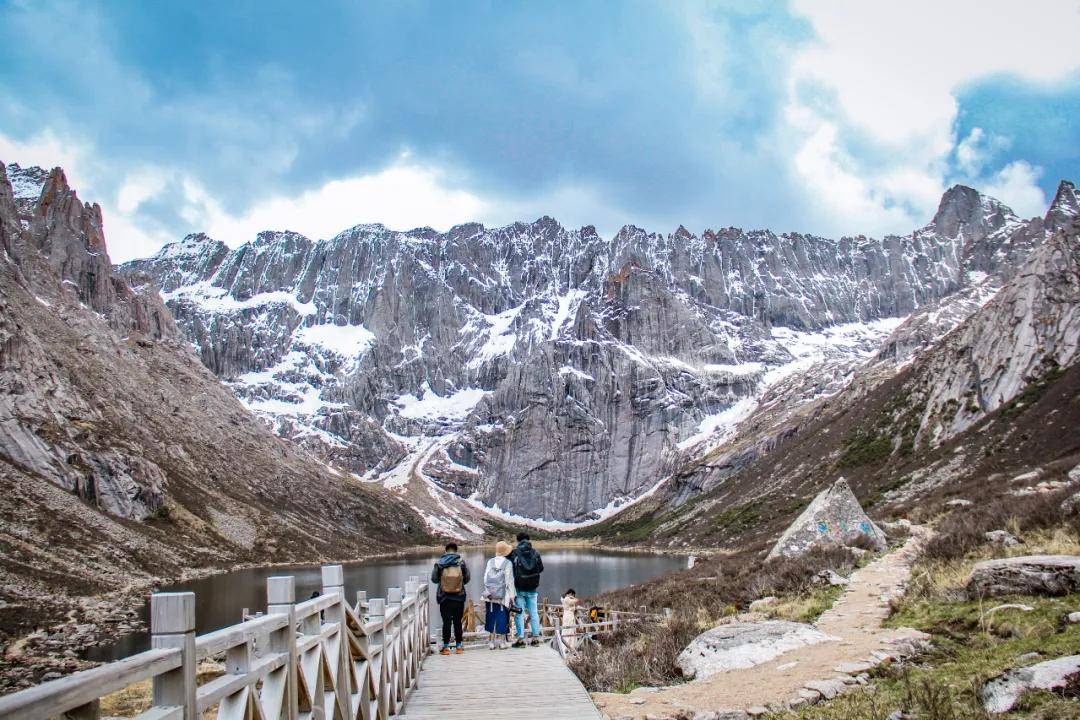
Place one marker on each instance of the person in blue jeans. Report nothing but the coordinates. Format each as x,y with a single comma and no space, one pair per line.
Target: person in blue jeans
527,569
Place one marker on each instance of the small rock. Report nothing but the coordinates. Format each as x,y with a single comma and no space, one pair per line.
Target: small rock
828,688
637,701
1002,537
1027,477
1074,617
831,578
1010,606
810,696
1000,694
853,668
762,603
958,502
787,666
1071,505
757,711
1026,575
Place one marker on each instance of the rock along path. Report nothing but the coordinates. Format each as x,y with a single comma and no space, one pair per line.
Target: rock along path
855,621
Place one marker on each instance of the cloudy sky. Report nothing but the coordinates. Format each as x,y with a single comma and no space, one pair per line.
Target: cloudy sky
825,117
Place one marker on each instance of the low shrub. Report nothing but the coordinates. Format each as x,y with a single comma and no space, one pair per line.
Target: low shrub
964,529
646,653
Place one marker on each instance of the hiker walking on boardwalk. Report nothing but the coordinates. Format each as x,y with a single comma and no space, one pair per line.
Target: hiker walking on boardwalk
527,569
499,595
451,575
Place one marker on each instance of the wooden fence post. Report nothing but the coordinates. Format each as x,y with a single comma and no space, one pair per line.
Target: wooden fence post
281,600
361,601
412,645
172,625
393,599
377,614
333,580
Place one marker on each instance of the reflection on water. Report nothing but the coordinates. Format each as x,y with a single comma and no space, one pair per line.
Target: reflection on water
220,599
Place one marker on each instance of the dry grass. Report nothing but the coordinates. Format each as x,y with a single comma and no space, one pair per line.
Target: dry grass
962,531
942,574
645,653
805,608
135,699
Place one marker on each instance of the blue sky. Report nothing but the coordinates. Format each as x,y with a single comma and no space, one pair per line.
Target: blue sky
825,117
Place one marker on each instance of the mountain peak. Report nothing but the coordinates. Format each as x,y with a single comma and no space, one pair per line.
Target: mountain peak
965,208
1065,207
27,182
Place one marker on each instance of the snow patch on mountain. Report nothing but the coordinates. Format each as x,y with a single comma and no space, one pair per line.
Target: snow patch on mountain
432,406
217,300
349,341
720,426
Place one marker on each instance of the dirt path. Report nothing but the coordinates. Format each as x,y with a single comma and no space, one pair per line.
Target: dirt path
855,621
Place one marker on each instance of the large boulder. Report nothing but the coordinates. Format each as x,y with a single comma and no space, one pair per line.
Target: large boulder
834,516
1026,575
744,645
1000,694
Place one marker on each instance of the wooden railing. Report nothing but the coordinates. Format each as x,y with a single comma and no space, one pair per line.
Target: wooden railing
321,659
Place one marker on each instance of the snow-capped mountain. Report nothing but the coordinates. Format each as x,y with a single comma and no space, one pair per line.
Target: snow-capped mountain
552,373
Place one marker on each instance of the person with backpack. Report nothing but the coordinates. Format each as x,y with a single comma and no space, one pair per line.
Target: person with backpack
499,593
451,575
527,569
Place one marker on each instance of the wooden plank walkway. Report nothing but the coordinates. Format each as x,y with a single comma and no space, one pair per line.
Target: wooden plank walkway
519,684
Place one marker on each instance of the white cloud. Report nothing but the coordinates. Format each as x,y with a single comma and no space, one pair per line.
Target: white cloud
894,70
402,196
1016,185
895,66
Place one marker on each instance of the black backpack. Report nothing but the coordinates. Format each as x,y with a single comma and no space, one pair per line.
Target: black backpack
526,564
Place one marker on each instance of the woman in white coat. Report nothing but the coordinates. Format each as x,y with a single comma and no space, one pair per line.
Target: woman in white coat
499,593
569,618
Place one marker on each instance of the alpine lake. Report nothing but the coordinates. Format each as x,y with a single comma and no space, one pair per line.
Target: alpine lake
220,599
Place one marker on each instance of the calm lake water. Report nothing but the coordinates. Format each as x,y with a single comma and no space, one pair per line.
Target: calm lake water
220,599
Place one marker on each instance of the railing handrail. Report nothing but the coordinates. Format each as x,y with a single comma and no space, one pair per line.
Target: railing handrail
271,655
75,690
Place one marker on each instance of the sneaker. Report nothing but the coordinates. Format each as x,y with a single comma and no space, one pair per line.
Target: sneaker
519,643
459,651
534,641
445,651
491,644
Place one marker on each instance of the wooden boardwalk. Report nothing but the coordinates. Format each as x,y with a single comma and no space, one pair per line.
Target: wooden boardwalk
518,684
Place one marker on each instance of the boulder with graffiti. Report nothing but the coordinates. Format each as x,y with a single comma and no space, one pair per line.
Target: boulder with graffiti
834,516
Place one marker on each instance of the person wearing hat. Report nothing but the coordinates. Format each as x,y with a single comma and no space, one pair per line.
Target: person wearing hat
498,596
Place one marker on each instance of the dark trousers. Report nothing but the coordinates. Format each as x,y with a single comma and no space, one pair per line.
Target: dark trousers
451,611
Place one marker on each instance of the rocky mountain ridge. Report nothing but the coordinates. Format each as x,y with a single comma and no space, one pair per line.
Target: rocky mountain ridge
553,374
122,458
975,396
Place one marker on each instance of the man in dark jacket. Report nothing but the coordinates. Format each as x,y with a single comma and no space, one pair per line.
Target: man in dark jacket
451,575
527,569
